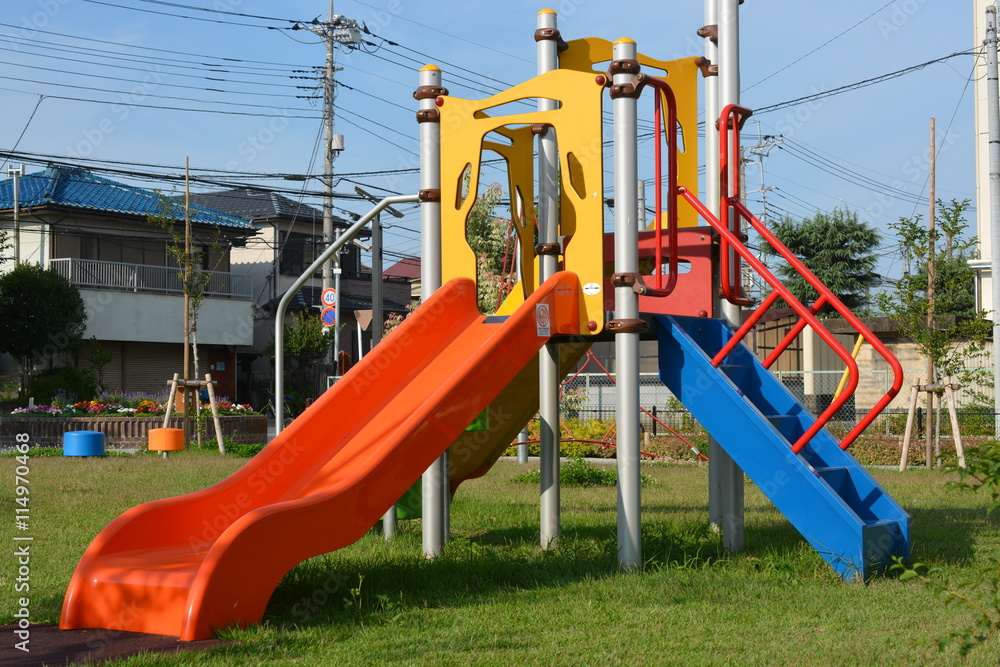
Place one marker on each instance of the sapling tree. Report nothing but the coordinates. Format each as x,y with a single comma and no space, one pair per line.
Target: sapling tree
194,280
953,332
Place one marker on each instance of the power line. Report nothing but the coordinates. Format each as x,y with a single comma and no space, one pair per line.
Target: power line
118,58
124,102
858,85
122,79
478,44
179,16
832,39
150,48
213,11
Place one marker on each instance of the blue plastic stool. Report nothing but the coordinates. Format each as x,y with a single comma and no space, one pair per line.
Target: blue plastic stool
83,443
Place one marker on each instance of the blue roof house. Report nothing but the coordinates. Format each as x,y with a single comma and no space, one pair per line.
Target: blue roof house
96,232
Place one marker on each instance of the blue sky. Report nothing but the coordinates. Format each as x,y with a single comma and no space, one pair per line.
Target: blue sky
865,149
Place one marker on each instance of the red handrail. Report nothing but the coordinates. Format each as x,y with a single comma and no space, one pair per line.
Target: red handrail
839,307
780,348
808,316
803,312
663,89
733,116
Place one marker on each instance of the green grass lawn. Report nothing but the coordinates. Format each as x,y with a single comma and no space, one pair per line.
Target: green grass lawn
496,598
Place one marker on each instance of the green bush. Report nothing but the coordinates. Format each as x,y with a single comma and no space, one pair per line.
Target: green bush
242,450
591,429
577,472
62,381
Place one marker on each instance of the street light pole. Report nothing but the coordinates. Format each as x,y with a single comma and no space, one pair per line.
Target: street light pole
16,173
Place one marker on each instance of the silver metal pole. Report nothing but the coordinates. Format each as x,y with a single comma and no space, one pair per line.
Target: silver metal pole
378,300
640,186
279,316
712,165
993,105
725,477
435,478
522,449
378,315
548,235
627,309
16,173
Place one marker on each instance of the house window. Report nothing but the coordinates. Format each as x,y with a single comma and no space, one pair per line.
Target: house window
298,252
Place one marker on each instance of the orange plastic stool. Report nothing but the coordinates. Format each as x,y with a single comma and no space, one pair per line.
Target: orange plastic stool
166,440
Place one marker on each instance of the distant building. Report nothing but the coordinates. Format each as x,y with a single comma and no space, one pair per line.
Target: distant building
96,233
407,269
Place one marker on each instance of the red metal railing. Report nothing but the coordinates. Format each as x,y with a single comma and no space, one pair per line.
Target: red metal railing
730,122
663,91
732,249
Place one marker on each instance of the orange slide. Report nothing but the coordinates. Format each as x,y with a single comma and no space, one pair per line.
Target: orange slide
185,566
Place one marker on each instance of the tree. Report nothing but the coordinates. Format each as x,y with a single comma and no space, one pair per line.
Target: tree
955,318
491,239
4,245
838,248
305,344
194,281
41,316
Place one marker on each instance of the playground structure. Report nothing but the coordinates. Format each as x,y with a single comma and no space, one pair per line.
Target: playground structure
186,566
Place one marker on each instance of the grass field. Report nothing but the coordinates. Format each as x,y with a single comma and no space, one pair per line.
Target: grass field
496,598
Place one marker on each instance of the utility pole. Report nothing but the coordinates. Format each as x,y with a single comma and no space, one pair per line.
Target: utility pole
337,29
762,150
931,242
993,117
16,173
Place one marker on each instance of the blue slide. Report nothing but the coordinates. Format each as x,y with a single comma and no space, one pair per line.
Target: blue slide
835,504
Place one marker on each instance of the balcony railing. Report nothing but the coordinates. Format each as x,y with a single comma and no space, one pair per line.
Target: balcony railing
144,278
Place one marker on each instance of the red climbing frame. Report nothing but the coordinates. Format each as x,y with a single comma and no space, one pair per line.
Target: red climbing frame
732,249
733,213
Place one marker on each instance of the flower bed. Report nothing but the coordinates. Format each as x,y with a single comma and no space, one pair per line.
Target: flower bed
123,431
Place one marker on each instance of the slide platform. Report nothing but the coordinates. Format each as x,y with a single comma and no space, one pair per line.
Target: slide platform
189,565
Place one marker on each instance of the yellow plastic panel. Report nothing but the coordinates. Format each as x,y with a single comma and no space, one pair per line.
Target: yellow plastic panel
577,122
682,75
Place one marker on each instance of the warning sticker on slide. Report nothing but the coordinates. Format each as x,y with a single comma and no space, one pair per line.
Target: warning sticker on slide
590,289
543,320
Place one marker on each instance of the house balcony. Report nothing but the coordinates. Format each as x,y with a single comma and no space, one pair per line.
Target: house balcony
95,274
142,303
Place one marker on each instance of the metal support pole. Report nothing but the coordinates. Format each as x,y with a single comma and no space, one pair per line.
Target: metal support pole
627,309
522,448
16,173
435,478
378,300
725,477
548,359
993,105
279,316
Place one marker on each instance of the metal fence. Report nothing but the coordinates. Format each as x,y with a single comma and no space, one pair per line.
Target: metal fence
593,396
98,274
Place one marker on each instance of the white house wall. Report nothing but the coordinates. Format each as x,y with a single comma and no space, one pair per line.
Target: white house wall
34,243
156,318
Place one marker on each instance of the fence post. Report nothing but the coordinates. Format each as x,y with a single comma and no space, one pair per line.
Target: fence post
654,420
